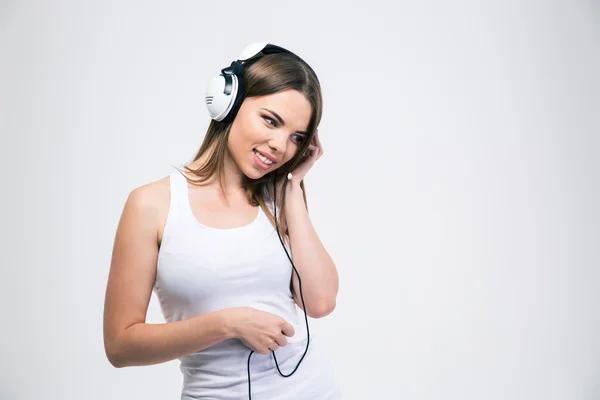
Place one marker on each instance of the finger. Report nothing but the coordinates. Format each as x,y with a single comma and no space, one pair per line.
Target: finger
264,351
281,340
288,330
317,139
257,348
274,346
320,150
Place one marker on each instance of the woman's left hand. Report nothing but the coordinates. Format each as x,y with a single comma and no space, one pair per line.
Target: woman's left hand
312,154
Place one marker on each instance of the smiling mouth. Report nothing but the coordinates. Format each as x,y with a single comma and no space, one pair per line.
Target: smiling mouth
263,159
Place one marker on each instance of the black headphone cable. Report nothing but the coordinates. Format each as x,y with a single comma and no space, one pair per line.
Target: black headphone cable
301,298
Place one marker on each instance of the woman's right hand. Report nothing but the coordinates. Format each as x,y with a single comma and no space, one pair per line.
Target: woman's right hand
259,330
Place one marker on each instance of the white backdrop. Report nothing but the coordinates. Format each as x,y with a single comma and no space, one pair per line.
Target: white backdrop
458,193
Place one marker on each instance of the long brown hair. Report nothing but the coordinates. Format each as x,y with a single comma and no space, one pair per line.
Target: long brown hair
269,74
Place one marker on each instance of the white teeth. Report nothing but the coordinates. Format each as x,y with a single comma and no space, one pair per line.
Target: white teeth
263,158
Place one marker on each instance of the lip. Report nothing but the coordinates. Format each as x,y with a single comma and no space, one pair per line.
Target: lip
260,164
270,157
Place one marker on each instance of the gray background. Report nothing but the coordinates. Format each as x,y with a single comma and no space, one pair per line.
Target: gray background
458,193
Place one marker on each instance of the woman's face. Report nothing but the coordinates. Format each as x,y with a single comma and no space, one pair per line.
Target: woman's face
267,131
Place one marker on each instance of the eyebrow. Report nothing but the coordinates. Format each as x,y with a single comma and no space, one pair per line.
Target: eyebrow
281,120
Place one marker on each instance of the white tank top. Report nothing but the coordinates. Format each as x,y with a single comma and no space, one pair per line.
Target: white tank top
202,269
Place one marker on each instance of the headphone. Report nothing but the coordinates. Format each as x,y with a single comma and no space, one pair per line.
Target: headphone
225,92
224,96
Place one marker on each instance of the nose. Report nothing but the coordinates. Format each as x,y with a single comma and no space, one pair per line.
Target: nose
278,143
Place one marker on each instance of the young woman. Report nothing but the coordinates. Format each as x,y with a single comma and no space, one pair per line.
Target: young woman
227,245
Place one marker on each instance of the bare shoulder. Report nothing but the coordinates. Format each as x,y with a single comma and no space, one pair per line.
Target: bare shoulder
151,195
153,200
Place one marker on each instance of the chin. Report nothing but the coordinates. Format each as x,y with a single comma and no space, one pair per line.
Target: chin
252,173
254,176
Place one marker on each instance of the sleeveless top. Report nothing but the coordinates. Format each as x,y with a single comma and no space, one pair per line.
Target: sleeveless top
202,269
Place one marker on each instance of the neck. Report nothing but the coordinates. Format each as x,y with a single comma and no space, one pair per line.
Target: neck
232,174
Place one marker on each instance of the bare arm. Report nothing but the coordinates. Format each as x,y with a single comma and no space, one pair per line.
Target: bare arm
317,270
128,340
148,344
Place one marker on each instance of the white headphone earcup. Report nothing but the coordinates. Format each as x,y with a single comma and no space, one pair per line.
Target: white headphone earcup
218,103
